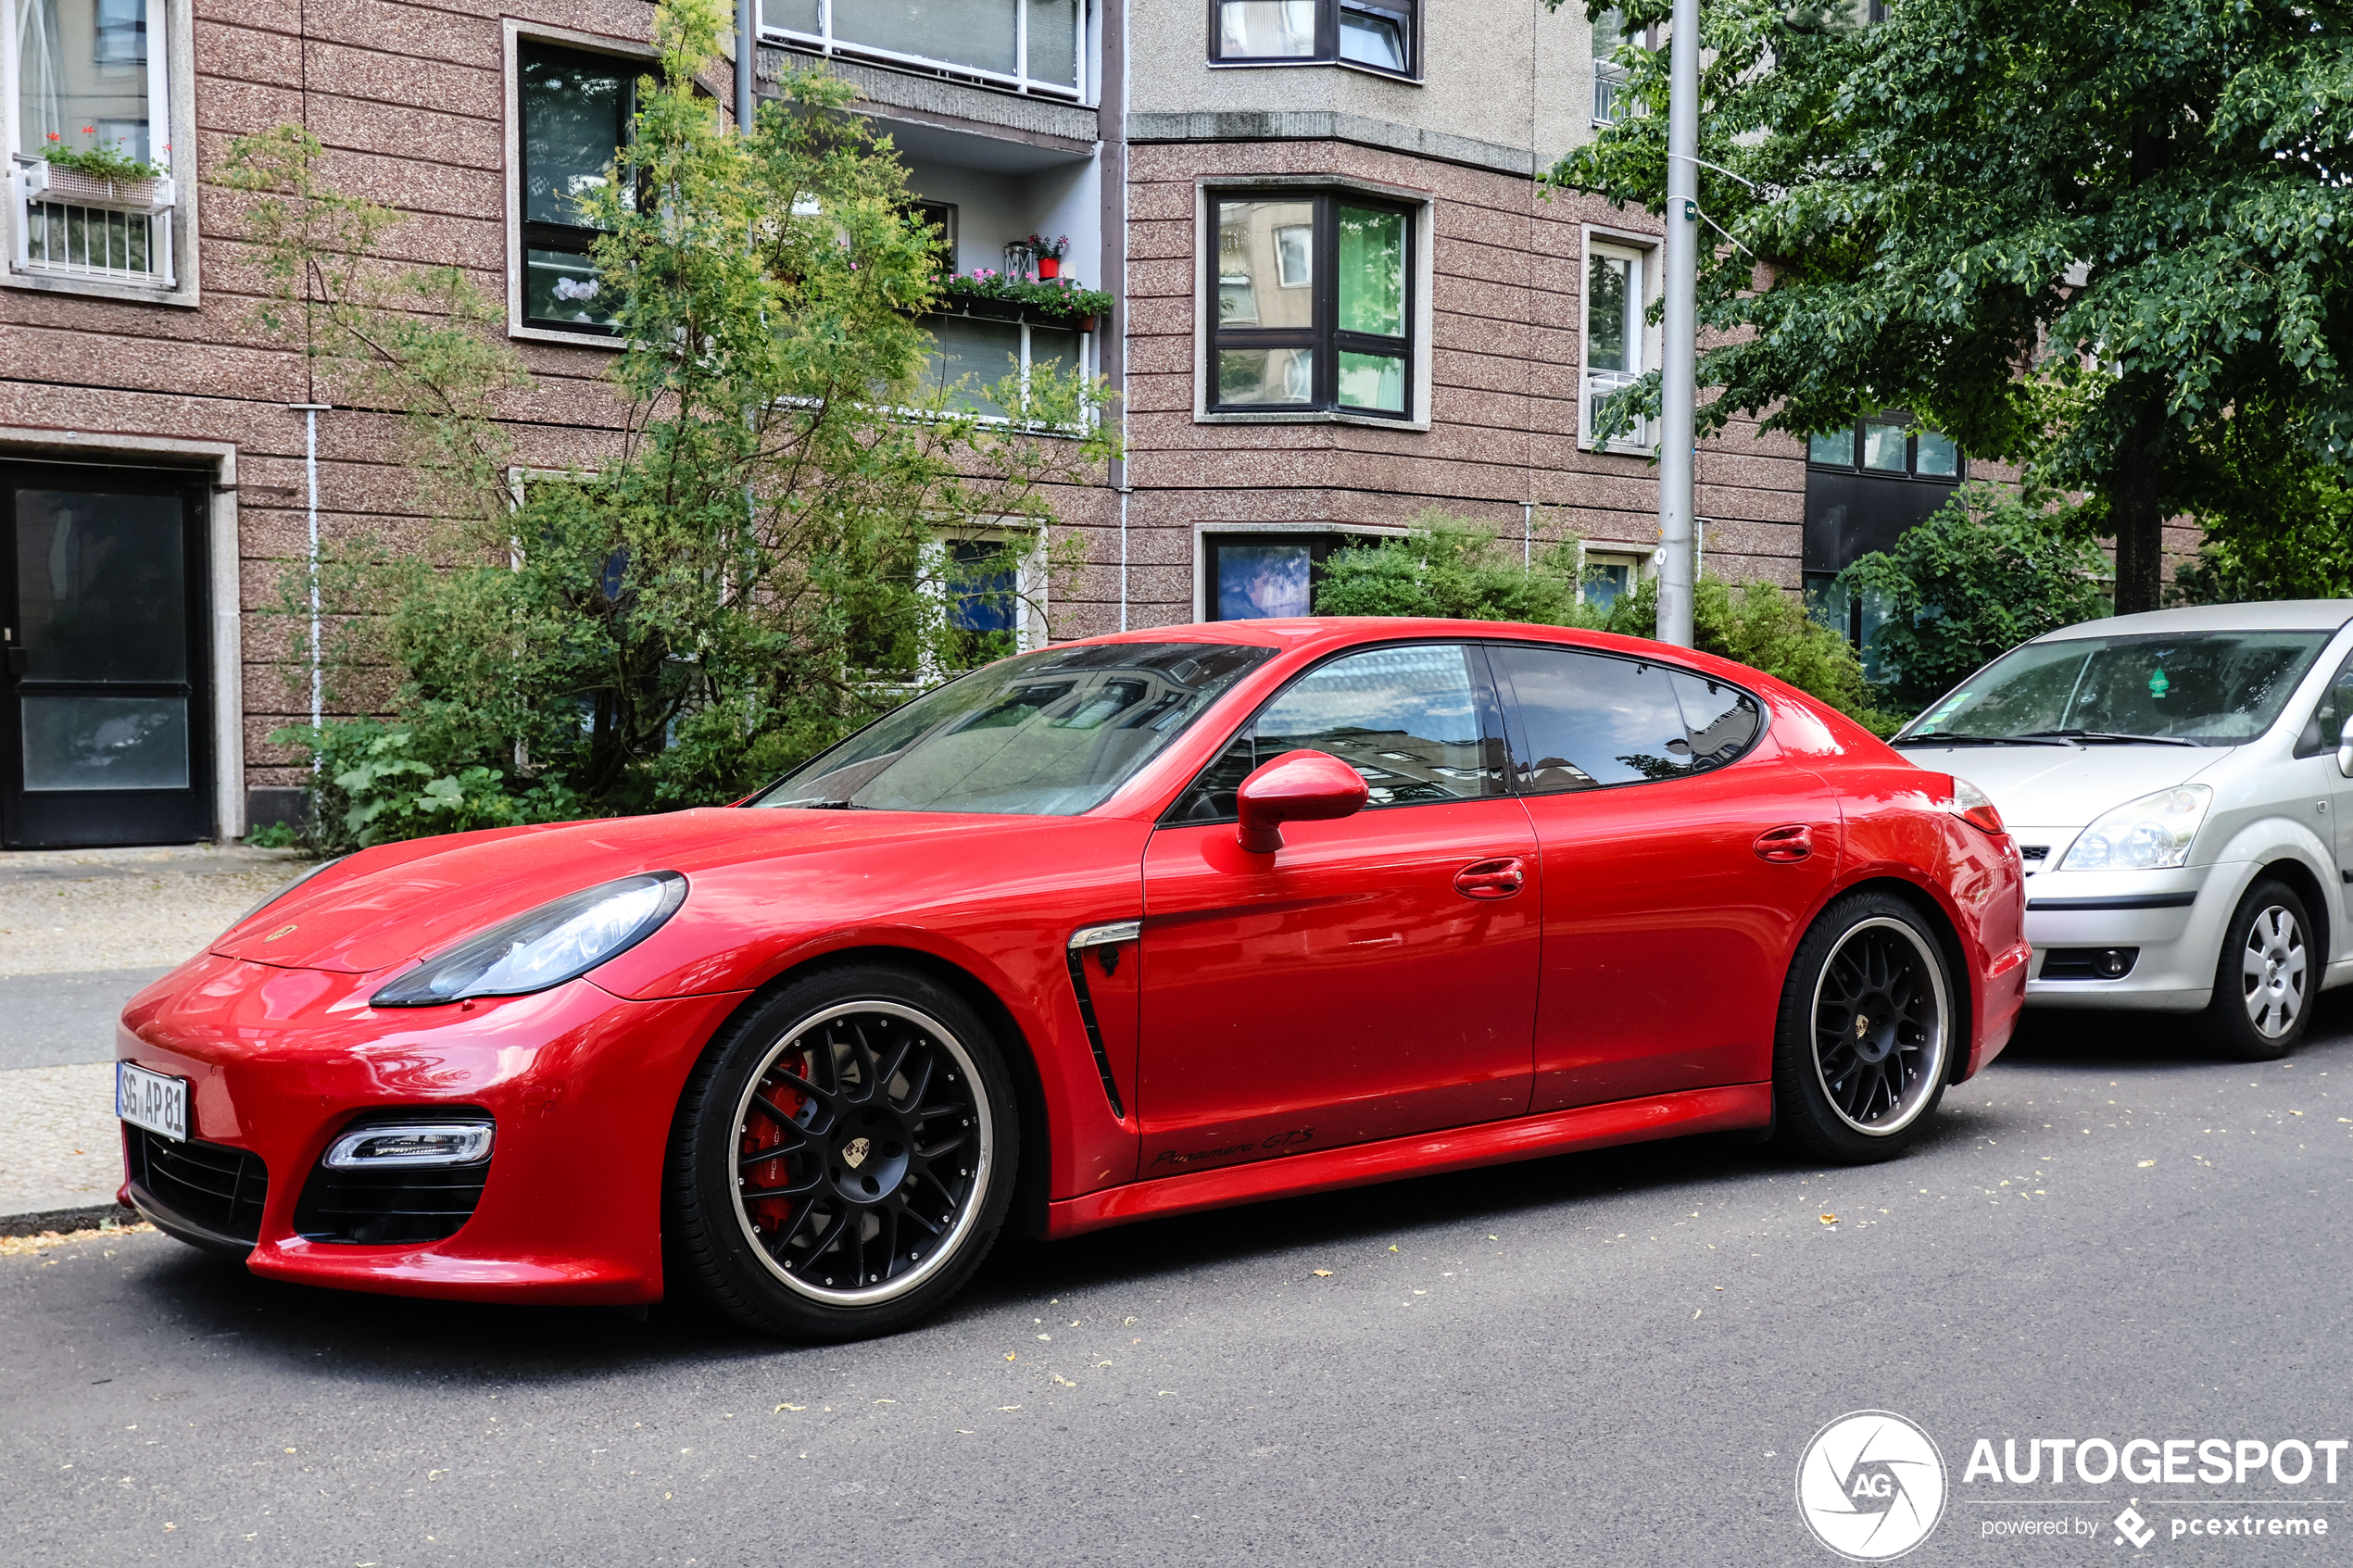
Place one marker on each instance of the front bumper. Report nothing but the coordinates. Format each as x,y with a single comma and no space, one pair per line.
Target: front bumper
579,1083
2173,918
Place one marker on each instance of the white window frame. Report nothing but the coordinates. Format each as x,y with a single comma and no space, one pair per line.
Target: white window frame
822,41
1593,385
1086,367
170,212
1031,581
1609,77
517,34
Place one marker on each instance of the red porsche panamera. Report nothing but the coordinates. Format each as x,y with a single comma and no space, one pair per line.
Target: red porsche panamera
1121,928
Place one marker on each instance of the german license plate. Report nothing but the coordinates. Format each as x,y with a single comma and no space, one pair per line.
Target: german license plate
151,1100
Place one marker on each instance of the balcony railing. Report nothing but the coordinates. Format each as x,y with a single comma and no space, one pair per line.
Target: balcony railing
1641,436
73,224
1034,47
1609,80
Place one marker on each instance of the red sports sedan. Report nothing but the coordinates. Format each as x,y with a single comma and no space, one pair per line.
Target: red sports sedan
1121,928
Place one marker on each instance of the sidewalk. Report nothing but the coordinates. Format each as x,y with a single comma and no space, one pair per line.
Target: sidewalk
82,930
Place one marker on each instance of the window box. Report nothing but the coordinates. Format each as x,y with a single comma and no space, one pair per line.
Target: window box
994,297
44,180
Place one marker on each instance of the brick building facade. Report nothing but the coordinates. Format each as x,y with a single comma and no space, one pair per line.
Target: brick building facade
1340,299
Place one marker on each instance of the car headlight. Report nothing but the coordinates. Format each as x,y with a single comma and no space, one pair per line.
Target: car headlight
545,946
2147,834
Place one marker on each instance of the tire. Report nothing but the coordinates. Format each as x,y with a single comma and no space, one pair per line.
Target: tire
2265,980
891,1120
1868,1027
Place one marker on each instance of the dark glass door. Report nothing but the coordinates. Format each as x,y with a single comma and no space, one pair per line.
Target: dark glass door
106,732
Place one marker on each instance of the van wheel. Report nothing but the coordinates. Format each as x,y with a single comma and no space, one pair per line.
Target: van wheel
2266,977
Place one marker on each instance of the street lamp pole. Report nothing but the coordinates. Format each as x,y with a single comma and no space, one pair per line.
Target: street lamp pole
1676,517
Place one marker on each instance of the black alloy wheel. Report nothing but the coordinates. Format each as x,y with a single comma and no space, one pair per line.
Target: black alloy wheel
843,1156
1867,1032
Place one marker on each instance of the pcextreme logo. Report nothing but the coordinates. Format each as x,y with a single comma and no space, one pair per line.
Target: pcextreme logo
1870,1485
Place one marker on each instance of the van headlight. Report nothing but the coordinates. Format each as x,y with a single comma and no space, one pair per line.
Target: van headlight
2149,834
545,946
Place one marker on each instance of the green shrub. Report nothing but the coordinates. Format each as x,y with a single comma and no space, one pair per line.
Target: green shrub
384,782
1454,567
1983,575
1762,626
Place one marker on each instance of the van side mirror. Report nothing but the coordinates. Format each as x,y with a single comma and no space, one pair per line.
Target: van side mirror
1298,786
2345,753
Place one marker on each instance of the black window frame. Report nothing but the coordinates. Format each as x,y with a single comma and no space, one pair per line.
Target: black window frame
1325,335
1854,463
539,234
1320,545
1328,38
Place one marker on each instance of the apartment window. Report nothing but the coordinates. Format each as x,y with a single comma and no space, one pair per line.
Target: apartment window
90,137
1885,444
1377,34
1609,75
575,110
1313,304
1608,578
941,219
1866,484
1028,45
1615,340
971,358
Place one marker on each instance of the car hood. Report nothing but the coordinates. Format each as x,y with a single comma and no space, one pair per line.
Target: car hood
401,901
2050,787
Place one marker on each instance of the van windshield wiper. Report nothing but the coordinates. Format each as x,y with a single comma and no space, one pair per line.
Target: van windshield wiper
1950,737
2116,737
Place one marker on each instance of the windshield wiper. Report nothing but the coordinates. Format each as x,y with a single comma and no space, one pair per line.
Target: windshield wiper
2116,737
822,806
1949,737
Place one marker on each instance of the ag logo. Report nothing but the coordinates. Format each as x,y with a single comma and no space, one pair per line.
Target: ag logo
1870,1485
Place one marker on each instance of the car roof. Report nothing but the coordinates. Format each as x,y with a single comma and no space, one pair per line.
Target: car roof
2269,615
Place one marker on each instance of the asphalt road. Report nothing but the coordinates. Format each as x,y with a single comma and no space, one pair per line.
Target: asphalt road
1606,1359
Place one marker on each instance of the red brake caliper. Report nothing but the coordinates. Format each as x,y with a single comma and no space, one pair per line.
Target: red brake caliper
770,1215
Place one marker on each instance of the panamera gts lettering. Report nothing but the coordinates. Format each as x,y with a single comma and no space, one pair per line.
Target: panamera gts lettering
1269,1144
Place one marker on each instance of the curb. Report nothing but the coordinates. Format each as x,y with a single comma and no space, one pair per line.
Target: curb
84,1217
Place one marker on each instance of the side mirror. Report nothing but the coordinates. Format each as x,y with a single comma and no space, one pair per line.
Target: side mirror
2344,754
1298,786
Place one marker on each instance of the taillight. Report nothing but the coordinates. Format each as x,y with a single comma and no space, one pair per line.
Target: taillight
1975,808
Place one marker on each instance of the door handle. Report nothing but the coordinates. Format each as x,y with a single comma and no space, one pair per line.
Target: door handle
1498,878
16,657
1785,845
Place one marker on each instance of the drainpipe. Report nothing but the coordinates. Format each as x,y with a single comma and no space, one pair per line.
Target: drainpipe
746,57
310,412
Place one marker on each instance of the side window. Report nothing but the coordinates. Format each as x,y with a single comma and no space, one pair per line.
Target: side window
1417,723
576,110
2327,727
1590,719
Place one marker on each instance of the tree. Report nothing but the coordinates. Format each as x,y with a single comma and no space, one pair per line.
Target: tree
1983,211
1987,573
1449,566
759,562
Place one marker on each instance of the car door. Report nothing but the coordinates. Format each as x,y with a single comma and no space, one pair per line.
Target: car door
1679,868
1377,975
2317,779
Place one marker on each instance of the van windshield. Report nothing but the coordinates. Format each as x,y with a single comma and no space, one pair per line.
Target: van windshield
1047,733
2200,688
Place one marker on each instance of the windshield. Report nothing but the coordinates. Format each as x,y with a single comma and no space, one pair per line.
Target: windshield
2203,688
1048,734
